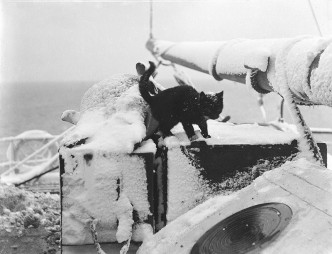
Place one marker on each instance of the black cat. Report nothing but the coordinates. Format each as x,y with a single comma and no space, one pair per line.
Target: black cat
180,104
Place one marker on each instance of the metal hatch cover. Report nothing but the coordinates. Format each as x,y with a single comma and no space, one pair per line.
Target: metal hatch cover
245,231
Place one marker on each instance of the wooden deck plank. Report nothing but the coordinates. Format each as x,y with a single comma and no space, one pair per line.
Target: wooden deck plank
309,231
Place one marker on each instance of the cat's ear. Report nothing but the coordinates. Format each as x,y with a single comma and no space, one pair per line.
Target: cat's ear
221,94
202,95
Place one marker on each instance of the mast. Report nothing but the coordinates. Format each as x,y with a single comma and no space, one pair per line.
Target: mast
304,64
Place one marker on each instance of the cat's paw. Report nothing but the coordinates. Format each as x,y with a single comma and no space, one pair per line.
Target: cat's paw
206,136
193,138
161,142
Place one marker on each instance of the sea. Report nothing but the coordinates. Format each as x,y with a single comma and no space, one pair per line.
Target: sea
38,106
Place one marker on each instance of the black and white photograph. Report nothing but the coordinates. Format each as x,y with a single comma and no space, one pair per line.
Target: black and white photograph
166,127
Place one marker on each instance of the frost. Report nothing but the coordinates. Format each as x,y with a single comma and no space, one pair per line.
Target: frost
306,61
289,57
321,79
298,62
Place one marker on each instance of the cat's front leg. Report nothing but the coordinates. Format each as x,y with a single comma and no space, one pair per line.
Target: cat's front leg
204,130
165,129
189,129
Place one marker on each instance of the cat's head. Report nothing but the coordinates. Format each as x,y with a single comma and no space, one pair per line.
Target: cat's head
212,104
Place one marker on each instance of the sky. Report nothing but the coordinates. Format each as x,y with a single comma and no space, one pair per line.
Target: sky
55,41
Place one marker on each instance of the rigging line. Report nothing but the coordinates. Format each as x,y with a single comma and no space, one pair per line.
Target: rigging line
315,18
151,19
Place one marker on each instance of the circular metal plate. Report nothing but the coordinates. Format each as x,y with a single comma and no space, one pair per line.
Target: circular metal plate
245,230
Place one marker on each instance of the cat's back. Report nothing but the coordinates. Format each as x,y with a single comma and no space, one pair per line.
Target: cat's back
179,91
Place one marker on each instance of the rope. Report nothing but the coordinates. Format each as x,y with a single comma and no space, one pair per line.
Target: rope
315,18
94,235
151,19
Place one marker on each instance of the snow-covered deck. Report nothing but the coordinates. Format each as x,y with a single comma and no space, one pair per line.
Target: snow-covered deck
303,186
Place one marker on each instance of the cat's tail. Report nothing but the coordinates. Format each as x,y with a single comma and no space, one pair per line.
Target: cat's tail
144,83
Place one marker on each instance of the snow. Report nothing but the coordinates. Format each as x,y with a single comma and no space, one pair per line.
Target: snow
329,161
186,186
283,84
142,232
102,180
229,133
70,116
37,163
147,146
22,209
298,61
91,189
124,214
204,51
294,56
106,92
111,184
104,177
239,54
26,173
321,79
112,116
305,141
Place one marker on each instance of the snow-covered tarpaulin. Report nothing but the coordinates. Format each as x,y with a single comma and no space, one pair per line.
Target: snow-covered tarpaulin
104,179
304,64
